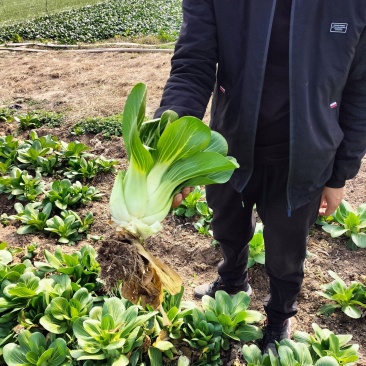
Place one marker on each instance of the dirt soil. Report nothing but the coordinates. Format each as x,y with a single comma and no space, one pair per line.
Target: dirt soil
87,85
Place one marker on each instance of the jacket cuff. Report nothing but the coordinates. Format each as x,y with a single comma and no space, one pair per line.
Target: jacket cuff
334,182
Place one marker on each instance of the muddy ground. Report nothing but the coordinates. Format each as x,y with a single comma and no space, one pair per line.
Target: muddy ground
87,85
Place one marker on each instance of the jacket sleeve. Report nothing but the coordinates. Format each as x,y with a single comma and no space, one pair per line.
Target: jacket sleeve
352,120
193,71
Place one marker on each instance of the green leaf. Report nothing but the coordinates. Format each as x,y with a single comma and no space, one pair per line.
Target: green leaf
53,325
183,361
115,308
188,135
240,301
122,360
252,354
352,311
26,229
286,356
326,361
107,322
93,328
217,144
79,330
351,221
223,303
59,308
133,115
59,351
333,230
45,357
361,212
155,356
247,333
164,345
328,309
52,260
359,239
81,355
14,355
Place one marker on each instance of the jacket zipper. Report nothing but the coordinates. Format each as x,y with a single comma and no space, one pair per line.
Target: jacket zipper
290,172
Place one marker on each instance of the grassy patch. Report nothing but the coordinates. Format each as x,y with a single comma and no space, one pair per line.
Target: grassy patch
132,18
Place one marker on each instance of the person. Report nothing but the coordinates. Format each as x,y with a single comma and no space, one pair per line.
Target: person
288,86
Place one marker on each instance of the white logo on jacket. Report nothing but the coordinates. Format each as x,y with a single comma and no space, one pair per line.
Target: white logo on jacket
338,27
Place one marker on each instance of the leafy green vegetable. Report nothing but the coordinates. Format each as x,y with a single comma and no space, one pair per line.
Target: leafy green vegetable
47,141
33,216
256,247
194,206
82,168
325,343
74,149
37,119
35,349
233,314
204,336
22,185
168,325
349,223
164,155
6,115
290,353
33,155
68,227
64,194
28,121
81,266
60,314
112,332
347,298
8,149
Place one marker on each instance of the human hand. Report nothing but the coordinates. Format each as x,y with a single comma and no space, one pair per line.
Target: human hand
331,198
179,197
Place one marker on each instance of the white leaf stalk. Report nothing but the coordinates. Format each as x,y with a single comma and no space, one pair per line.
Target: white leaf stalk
165,155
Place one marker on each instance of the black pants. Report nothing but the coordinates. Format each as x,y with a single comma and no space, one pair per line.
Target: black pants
285,236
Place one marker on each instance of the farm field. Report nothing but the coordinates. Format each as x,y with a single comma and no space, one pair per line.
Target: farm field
15,10
113,19
91,85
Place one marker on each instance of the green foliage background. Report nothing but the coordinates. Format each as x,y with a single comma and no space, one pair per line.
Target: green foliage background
161,18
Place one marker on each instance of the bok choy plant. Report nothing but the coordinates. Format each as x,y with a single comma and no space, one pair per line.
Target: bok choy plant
350,223
164,155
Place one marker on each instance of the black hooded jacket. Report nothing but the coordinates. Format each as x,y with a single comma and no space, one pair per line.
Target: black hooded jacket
222,49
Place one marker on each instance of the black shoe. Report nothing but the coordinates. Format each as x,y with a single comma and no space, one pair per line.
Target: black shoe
211,288
273,334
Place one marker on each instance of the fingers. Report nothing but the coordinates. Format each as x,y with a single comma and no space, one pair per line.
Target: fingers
179,197
331,198
177,200
327,210
323,206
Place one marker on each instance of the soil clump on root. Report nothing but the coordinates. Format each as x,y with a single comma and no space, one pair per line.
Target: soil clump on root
123,267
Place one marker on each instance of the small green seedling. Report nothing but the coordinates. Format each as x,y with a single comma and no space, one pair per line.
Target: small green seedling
350,299
349,223
256,247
